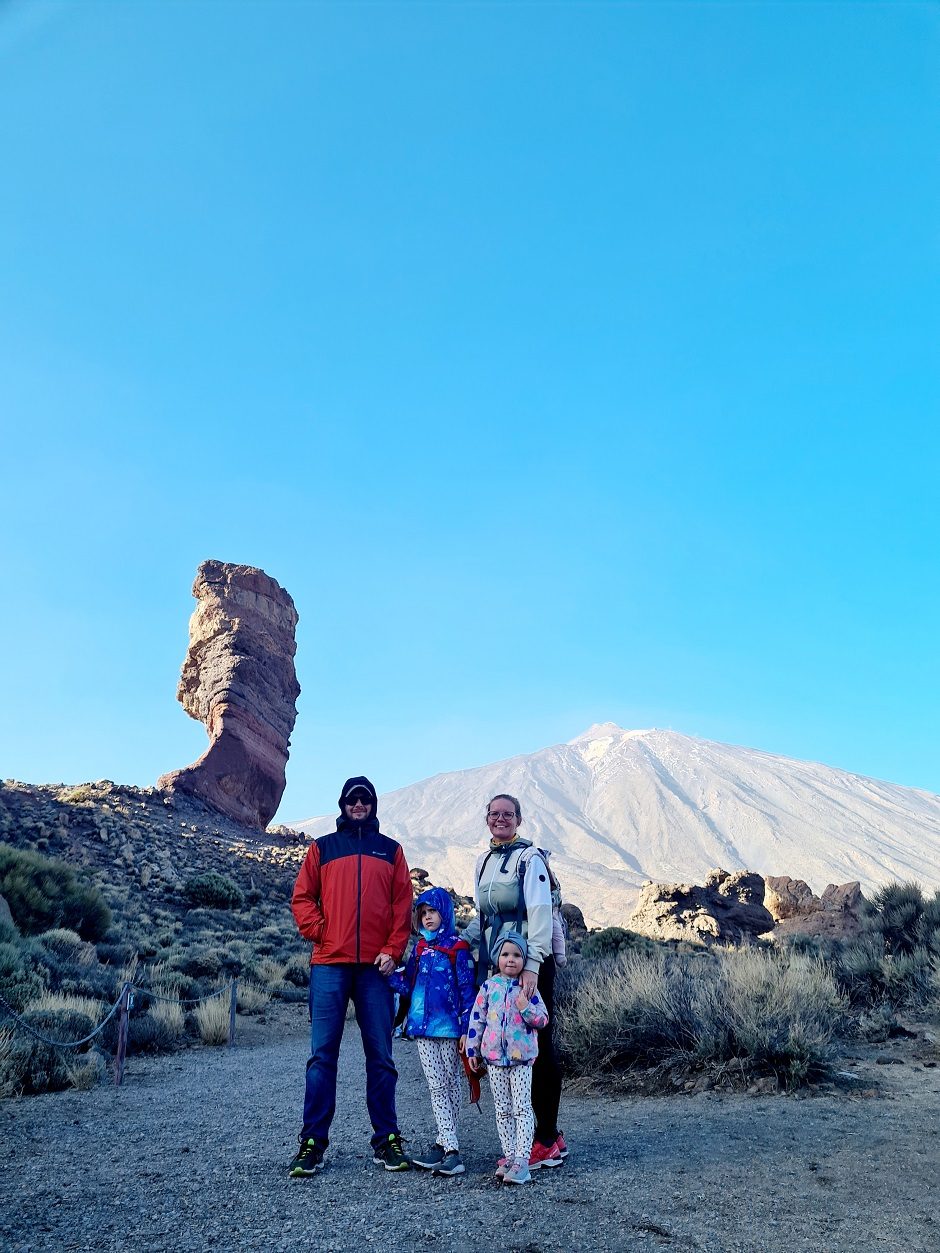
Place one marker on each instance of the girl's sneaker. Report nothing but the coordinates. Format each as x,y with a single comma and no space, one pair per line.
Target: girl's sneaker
449,1165
542,1156
518,1172
432,1158
502,1166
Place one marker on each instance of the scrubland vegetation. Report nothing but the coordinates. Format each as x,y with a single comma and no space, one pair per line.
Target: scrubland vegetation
64,959
767,1010
627,1005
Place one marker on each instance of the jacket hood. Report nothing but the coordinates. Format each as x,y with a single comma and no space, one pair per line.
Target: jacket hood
438,899
372,822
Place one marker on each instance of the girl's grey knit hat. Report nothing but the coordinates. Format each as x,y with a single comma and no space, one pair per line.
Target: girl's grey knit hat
515,938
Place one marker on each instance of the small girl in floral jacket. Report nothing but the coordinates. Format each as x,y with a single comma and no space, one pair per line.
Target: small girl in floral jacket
501,1036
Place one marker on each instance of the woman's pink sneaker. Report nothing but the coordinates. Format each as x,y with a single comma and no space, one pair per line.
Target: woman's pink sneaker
542,1156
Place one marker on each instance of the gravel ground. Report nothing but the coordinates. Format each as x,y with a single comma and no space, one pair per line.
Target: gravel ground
191,1154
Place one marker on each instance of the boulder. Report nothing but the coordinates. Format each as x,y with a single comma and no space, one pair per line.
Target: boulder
574,919
8,928
837,914
238,679
726,909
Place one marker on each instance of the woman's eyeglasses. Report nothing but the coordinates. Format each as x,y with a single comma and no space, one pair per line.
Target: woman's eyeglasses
501,813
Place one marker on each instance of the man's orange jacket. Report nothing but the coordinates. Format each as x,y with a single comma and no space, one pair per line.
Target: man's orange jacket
353,895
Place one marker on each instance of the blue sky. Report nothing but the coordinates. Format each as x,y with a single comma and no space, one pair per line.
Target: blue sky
564,362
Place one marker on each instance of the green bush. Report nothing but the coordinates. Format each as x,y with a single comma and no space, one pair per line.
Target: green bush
213,890
613,940
9,931
894,913
156,1031
67,947
869,976
23,975
43,894
28,1065
198,963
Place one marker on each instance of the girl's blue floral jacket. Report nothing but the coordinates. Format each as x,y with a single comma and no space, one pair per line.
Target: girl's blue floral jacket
439,976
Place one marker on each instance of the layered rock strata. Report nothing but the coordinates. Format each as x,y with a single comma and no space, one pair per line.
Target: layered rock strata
727,909
238,679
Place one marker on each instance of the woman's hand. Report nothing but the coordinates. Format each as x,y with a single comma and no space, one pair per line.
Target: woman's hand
529,982
462,1044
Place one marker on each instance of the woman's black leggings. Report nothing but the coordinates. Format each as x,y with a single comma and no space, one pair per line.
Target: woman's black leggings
546,1073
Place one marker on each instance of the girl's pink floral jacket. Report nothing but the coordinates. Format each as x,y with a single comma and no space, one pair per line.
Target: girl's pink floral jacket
499,1033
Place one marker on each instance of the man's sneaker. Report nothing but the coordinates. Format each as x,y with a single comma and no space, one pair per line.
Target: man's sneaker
308,1161
391,1154
432,1158
561,1146
518,1172
542,1156
451,1165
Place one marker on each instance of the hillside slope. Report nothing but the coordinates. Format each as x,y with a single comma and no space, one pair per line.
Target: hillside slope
619,807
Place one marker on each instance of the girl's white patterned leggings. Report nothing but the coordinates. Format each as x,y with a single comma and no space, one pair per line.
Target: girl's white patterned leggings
512,1095
443,1070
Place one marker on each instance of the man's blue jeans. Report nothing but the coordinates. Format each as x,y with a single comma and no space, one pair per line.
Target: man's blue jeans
331,987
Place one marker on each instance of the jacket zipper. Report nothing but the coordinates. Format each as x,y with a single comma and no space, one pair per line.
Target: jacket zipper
359,901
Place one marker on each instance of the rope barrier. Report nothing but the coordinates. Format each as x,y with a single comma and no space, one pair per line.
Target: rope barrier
126,999
58,1044
178,1000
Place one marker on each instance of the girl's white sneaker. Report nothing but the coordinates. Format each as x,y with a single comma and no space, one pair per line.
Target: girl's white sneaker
518,1172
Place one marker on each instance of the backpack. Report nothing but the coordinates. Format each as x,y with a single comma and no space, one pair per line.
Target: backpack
559,926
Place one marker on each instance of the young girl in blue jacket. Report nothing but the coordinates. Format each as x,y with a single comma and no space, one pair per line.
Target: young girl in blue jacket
439,979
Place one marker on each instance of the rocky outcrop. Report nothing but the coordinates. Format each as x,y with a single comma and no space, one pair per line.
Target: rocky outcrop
574,920
837,914
238,678
727,909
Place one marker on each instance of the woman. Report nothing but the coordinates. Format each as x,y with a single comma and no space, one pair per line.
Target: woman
503,907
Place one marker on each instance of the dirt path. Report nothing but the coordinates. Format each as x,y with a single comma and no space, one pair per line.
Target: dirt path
190,1155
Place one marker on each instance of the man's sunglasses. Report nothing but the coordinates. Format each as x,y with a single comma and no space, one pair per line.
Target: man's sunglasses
364,797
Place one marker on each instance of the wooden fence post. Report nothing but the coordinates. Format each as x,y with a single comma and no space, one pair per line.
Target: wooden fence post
122,1034
233,1003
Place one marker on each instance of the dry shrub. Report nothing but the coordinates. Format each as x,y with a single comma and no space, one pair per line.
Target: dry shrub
68,947
762,1011
29,1065
772,1011
8,1084
269,972
212,1019
84,1072
253,998
90,1006
128,972
169,1014
297,970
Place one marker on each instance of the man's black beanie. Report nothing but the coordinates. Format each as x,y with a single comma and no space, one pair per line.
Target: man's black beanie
358,781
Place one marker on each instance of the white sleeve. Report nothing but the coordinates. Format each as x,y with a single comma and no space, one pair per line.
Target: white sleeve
537,892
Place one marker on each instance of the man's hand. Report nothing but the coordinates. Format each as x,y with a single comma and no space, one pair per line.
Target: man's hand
529,981
385,964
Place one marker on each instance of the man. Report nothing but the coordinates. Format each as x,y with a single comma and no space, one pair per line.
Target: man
352,898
